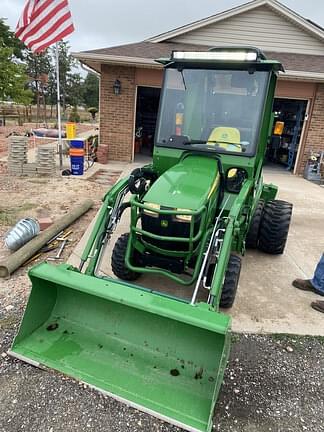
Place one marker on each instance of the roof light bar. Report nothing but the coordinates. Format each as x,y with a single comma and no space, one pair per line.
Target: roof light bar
219,55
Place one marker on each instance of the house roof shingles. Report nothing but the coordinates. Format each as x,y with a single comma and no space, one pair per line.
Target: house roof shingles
147,50
152,51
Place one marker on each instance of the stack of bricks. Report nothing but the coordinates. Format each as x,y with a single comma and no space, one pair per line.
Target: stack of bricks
45,160
29,169
17,158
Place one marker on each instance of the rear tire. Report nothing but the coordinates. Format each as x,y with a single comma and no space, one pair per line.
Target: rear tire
118,264
231,280
252,238
274,226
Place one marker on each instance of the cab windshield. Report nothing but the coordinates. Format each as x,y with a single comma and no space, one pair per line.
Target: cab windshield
213,110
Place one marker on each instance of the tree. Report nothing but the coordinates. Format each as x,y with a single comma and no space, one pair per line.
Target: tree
13,78
38,68
93,111
10,41
74,115
52,89
75,89
91,91
66,64
26,77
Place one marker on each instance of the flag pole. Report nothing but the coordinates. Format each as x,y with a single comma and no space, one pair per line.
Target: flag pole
60,147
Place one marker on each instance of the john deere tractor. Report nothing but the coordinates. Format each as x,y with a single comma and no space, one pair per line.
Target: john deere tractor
193,212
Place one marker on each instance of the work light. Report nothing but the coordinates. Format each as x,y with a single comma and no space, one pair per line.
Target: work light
212,55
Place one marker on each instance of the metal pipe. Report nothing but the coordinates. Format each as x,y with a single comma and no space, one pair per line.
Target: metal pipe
21,233
58,105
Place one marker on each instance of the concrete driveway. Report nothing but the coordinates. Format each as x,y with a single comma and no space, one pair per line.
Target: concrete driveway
266,302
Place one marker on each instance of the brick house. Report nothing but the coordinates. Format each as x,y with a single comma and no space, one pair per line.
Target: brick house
280,32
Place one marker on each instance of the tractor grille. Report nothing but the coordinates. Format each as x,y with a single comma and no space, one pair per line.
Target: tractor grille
168,226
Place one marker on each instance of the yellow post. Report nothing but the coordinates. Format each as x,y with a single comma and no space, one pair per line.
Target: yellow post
70,129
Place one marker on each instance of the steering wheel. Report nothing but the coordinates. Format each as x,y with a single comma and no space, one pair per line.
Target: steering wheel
138,180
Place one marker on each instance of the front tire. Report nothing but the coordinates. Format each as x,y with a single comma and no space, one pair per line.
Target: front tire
252,238
118,264
275,226
231,280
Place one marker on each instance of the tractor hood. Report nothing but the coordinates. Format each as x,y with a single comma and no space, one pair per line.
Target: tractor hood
186,185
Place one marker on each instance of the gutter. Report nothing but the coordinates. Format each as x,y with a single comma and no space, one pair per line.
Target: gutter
302,75
117,60
88,69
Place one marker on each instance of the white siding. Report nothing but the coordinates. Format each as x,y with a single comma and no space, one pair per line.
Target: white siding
261,27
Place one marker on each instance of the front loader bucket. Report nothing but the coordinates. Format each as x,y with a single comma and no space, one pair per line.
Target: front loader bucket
157,354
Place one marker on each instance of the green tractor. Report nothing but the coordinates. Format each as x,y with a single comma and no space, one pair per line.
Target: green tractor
193,212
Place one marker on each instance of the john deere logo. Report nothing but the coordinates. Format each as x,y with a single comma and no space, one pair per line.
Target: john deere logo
164,223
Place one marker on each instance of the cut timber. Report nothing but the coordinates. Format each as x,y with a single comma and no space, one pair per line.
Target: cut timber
14,261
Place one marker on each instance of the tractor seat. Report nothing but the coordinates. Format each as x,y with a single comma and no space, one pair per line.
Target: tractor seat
226,134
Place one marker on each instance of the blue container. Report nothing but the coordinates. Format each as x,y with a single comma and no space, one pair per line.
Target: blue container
77,164
77,144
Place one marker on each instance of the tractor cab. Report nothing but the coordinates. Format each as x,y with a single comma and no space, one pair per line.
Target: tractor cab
211,110
214,102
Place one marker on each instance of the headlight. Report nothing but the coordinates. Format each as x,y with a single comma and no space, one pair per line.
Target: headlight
152,213
183,217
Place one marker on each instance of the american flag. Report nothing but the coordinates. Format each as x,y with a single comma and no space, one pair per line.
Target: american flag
44,22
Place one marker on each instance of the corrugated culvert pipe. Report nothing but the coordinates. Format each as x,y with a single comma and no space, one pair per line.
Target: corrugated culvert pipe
21,233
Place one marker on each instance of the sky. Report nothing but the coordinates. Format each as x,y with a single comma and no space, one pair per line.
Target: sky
105,23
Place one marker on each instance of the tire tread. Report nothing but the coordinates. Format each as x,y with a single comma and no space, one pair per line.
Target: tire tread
118,264
231,280
274,226
252,238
